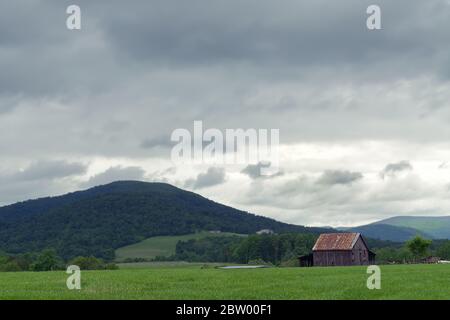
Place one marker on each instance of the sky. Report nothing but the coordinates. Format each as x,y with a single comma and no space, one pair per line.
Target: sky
363,115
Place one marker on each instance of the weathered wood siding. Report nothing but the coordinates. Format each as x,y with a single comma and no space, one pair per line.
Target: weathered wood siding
332,258
359,255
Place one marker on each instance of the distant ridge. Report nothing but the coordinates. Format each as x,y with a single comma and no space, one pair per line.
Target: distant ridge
101,219
403,228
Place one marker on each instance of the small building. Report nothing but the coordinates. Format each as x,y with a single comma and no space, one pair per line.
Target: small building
339,249
265,231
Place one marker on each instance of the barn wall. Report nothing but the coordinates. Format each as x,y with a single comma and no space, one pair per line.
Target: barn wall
332,258
360,253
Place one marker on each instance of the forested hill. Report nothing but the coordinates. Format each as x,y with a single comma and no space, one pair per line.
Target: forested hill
98,220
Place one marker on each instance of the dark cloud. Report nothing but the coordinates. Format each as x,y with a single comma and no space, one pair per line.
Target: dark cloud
308,33
274,38
254,171
213,177
393,168
136,71
332,177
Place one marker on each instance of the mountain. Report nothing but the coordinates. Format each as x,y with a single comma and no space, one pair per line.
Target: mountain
101,219
386,232
404,228
436,227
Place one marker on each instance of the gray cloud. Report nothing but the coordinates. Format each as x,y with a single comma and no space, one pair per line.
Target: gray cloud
332,177
161,141
254,171
144,65
40,178
264,32
213,177
44,170
392,169
117,173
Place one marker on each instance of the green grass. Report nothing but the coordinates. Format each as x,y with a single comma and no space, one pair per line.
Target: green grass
160,246
398,282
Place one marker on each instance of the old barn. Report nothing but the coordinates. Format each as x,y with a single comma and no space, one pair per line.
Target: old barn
339,249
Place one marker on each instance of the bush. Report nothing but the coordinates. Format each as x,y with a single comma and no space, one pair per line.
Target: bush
47,261
92,263
10,266
87,263
259,262
131,260
111,266
290,263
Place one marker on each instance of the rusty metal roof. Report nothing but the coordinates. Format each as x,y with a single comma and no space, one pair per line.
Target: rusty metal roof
336,241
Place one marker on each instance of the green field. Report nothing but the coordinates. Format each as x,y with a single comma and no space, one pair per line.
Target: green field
160,246
171,264
398,282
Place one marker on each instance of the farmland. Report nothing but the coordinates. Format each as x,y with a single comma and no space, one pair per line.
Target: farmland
196,282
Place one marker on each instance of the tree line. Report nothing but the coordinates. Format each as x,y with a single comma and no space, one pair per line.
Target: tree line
414,251
284,249
274,249
48,260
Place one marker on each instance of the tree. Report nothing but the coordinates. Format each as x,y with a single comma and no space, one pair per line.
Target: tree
46,261
418,247
388,255
444,250
88,263
8,264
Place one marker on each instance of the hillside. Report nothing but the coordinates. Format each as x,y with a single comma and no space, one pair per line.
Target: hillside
387,232
436,227
101,219
161,246
404,228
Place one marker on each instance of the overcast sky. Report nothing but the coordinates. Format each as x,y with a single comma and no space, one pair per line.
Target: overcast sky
364,116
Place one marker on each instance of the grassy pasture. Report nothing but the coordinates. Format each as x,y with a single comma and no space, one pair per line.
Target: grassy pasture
160,246
172,264
398,282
